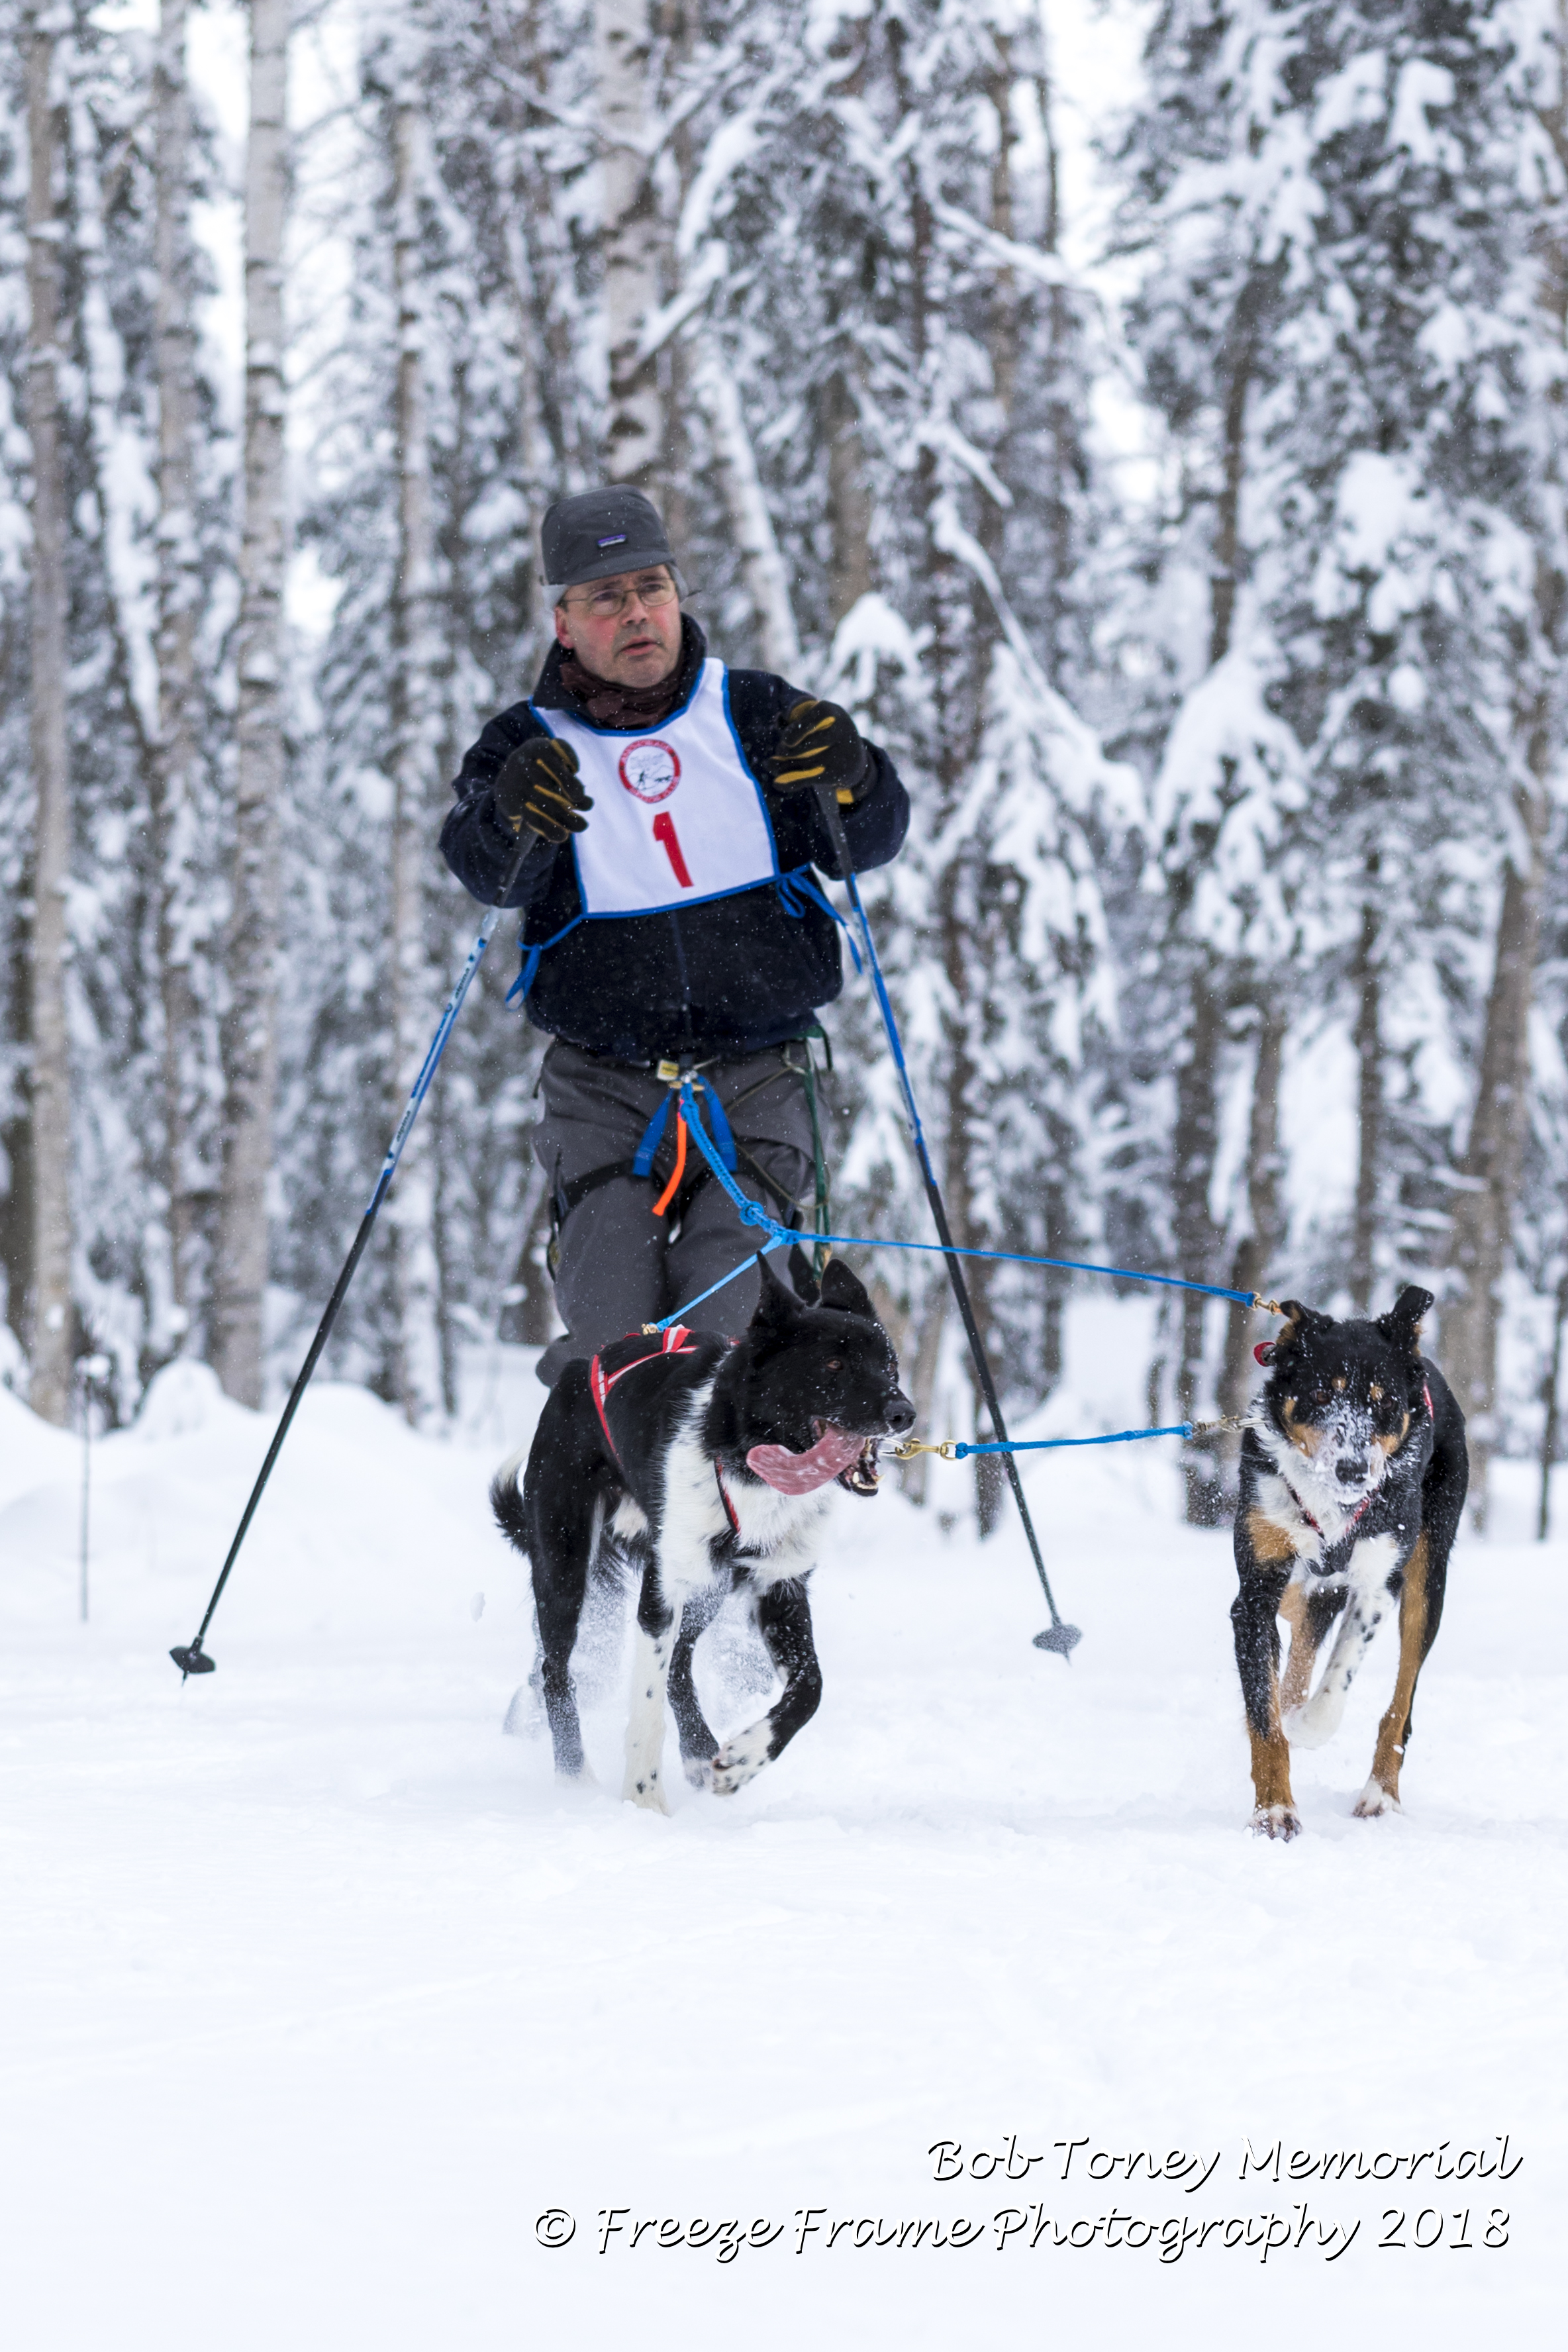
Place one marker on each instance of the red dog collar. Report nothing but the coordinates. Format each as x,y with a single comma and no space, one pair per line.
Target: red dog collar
1362,1505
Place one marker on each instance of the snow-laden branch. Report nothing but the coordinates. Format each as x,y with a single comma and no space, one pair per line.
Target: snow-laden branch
1231,778
1004,252
1088,774
761,565
672,315
941,433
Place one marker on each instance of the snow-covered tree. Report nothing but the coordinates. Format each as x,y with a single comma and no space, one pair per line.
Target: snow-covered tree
1261,998
1340,316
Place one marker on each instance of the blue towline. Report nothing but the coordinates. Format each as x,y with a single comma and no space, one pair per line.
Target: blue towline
959,1449
752,1213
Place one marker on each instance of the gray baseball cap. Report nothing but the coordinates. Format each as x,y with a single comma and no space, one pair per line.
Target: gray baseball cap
600,532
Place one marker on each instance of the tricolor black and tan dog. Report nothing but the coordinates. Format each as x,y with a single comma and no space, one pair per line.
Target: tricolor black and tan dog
704,1467
1352,1479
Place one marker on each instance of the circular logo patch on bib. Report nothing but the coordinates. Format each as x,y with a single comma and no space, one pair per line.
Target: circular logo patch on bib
650,768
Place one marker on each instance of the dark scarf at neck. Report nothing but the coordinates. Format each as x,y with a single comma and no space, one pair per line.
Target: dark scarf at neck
608,704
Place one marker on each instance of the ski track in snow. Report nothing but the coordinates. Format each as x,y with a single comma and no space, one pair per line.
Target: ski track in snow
318,1991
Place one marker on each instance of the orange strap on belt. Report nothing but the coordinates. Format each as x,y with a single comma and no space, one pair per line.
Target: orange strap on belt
671,1190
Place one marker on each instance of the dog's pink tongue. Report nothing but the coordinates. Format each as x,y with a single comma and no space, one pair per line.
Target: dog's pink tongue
802,1474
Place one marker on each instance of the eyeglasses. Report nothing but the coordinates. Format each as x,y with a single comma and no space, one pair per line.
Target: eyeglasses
652,591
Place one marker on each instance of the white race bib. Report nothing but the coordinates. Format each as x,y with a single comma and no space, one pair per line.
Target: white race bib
678,817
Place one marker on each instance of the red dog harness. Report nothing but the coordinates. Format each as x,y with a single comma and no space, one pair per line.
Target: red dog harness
601,1382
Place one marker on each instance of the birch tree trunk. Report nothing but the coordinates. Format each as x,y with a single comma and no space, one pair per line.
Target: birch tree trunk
1489,1172
1550,1389
49,1082
677,39
1224,577
413,1367
175,749
1256,1254
541,267
848,488
848,500
632,439
923,1377
528,1318
956,893
1197,1143
541,276
1368,1039
122,486
1063,424
1001,332
1196,1140
1002,324
957,663
249,1043
746,506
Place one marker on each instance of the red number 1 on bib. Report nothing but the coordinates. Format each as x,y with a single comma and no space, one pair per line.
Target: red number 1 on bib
664,830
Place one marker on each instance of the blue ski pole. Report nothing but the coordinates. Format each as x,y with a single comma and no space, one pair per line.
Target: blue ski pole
1055,1635
191,1658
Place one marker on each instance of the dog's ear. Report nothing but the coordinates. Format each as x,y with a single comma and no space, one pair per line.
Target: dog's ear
1300,1322
844,1291
1402,1324
801,1275
778,1308
1295,1315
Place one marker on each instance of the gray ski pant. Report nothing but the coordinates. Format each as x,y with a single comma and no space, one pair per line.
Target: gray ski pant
619,1266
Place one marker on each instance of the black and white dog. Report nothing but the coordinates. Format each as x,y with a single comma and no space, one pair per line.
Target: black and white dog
705,1468
1352,1481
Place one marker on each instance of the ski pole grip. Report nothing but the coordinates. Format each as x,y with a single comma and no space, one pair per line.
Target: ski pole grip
828,801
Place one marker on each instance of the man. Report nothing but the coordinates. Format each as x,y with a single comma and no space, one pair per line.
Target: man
671,924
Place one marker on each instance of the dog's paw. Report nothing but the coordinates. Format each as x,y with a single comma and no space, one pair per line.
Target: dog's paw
1373,1802
699,1771
1276,1821
1314,1724
646,1789
524,1718
741,1759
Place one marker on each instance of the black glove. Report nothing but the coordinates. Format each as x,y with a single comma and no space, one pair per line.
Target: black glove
539,786
822,745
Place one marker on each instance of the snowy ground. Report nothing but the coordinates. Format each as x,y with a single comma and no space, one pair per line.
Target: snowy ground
318,1993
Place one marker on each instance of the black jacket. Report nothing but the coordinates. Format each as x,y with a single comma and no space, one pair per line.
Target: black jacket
730,976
